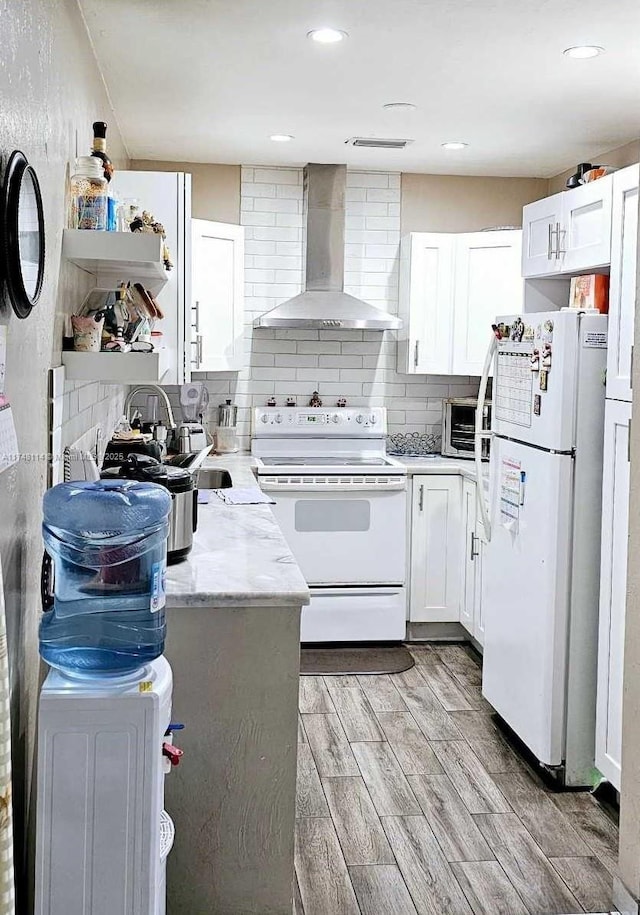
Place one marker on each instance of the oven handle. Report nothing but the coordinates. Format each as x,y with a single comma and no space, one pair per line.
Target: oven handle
398,485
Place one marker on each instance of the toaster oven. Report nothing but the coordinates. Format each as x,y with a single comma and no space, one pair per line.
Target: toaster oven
459,425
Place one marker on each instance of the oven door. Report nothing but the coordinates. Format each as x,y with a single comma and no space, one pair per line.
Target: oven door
343,530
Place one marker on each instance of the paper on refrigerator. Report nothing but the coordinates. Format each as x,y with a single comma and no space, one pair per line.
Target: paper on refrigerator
510,492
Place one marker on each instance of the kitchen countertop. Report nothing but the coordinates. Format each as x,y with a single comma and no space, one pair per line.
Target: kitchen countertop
239,556
437,464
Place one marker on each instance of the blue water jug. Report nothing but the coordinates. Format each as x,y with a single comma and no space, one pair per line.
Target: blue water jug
108,543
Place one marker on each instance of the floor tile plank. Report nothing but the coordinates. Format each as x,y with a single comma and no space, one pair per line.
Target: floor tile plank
434,722
409,744
533,877
356,715
341,681
314,696
298,908
472,782
487,743
454,827
488,889
594,825
325,885
302,737
589,881
408,678
310,799
427,874
385,781
357,824
462,662
329,745
550,828
381,890
441,682
381,693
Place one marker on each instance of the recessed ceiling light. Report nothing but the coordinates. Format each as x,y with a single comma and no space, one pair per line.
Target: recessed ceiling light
454,144
399,106
583,51
281,137
326,35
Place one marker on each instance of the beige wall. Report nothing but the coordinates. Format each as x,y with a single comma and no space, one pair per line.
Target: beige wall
451,203
215,188
628,154
51,93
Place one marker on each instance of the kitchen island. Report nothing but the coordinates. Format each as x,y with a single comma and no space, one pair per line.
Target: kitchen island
233,641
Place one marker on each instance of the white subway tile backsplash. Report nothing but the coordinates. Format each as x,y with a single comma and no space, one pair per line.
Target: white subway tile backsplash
279,205
367,179
257,219
385,195
251,189
277,175
286,220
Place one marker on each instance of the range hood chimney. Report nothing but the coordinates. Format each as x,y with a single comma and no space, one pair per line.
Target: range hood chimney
324,304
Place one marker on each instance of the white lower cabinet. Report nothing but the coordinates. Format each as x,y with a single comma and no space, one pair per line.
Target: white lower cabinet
613,587
471,596
436,538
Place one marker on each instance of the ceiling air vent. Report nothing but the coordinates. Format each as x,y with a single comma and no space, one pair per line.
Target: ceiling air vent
377,143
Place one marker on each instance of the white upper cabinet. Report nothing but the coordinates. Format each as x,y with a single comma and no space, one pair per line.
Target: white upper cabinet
569,232
540,221
426,297
217,307
622,291
451,289
487,283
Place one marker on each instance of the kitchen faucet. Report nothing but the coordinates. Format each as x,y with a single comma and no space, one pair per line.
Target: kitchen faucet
157,390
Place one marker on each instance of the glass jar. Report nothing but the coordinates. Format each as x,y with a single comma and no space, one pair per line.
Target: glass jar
89,194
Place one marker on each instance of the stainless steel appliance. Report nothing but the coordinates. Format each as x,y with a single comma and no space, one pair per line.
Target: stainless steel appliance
184,496
458,427
341,504
194,401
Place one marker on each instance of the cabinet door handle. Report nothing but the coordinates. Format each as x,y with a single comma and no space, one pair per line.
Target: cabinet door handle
421,498
199,349
629,443
631,367
415,352
474,552
550,242
560,234
196,326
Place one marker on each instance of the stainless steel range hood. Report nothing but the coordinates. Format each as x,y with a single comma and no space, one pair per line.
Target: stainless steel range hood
324,304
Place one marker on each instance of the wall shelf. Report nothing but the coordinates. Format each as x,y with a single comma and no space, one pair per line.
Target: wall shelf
117,368
114,257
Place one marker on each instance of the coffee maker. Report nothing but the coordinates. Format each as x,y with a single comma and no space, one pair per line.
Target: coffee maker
191,434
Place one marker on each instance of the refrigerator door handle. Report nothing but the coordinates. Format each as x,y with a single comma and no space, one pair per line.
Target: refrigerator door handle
481,435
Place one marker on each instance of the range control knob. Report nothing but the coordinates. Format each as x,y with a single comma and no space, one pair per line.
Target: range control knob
278,417
373,419
335,418
264,418
360,418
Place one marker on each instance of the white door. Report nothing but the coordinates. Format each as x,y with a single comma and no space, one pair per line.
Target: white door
585,231
540,222
167,195
487,283
217,325
469,548
622,292
526,572
435,549
426,297
613,586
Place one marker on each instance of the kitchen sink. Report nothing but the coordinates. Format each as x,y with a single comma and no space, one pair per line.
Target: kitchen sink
213,478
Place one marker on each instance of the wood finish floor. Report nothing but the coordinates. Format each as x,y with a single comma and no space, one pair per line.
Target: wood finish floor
410,802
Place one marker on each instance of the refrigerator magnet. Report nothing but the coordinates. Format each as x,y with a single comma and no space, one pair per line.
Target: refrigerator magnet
537,404
546,356
534,362
544,379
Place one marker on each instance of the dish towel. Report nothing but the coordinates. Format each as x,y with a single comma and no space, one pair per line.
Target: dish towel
249,495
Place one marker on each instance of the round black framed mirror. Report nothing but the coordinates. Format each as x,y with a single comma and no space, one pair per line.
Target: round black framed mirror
23,224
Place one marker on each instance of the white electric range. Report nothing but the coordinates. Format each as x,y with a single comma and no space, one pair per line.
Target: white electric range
341,503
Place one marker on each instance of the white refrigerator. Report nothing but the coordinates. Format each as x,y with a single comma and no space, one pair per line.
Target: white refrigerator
541,565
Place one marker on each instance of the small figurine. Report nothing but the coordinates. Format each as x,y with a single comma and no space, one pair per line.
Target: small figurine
341,402
271,402
290,402
315,400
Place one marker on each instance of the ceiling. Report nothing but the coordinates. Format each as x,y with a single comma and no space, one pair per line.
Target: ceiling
211,80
